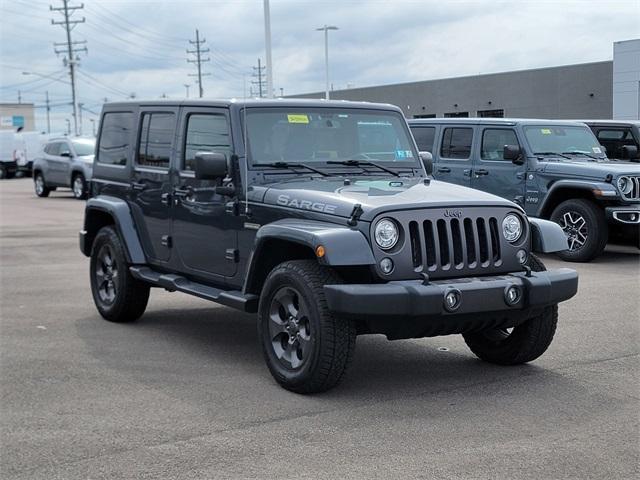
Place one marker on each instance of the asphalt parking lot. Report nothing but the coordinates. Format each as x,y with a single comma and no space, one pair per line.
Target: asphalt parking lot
184,392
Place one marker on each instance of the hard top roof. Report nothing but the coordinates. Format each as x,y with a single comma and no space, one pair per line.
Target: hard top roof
622,123
495,121
254,102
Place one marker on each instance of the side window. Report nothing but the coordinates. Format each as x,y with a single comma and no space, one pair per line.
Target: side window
115,136
53,148
156,137
206,132
424,138
64,149
456,143
614,139
494,140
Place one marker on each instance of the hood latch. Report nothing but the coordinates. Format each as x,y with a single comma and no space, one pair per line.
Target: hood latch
355,215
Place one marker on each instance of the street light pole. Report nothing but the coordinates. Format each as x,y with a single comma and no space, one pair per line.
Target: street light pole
326,29
267,44
93,126
48,112
186,85
68,126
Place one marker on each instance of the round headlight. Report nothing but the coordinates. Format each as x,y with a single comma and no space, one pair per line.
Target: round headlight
386,233
511,227
625,185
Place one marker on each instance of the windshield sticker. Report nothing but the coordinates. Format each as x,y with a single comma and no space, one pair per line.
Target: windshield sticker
596,150
297,118
404,154
545,131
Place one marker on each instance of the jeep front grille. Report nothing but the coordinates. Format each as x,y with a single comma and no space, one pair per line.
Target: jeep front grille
455,244
634,194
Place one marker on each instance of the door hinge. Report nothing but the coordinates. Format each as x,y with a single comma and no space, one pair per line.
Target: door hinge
166,241
232,208
232,255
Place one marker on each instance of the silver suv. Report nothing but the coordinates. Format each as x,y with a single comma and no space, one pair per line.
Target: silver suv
65,162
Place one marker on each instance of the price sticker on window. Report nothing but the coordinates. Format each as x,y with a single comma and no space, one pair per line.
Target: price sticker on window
545,131
297,118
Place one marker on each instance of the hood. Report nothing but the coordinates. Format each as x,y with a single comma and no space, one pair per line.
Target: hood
591,170
375,195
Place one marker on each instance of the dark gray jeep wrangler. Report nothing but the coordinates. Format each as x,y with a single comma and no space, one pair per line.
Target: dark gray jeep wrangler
320,217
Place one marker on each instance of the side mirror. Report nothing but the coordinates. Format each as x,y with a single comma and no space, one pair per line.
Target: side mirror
65,154
630,152
211,165
427,161
513,153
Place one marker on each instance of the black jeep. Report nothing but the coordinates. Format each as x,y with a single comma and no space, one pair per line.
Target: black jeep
320,217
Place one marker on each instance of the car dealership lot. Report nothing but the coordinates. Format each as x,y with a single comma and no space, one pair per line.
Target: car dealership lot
184,392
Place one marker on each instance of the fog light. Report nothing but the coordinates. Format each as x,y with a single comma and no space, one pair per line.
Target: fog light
452,300
512,295
386,265
522,256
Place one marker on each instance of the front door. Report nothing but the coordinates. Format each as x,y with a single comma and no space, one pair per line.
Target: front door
453,160
205,233
58,163
151,181
492,173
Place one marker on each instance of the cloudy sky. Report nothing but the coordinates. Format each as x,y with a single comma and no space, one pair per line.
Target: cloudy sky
138,47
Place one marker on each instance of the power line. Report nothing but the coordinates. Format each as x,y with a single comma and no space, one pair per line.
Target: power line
198,52
72,49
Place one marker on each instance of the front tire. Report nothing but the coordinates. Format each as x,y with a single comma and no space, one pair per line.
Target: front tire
40,186
586,227
305,347
118,296
521,344
79,187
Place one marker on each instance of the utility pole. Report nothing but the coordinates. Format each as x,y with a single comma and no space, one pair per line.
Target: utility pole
68,126
72,48
267,44
258,72
93,126
48,111
199,51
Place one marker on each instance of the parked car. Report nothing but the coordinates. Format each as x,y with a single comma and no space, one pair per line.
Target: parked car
65,162
319,217
555,170
621,138
28,147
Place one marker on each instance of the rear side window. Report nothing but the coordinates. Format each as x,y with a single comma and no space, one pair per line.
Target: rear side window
156,137
424,138
456,143
614,140
494,141
205,133
115,137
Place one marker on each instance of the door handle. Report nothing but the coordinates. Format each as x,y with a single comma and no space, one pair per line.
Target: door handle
139,186
481,172
444,170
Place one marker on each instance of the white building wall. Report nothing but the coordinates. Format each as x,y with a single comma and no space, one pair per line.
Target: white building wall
626,80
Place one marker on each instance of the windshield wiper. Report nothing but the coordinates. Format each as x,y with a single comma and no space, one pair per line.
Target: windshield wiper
359,163
293,165
548,154
576,152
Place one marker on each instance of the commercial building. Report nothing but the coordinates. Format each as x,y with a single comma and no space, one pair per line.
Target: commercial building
600,90
16,115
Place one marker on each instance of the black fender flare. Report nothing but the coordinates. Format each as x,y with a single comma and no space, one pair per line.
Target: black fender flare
547,236
599,189
343,246
121,214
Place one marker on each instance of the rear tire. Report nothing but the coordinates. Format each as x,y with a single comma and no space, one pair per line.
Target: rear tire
118,296
305,347
523,343
40,186
586,227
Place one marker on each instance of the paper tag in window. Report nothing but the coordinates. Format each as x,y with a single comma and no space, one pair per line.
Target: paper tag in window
596,150
545,131
297,118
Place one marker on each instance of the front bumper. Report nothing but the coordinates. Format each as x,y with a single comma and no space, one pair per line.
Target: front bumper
629,214
479,295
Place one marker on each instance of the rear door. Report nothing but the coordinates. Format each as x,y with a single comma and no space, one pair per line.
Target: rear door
491,172
452,162
150,194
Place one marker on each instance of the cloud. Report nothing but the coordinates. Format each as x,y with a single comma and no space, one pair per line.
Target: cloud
139,46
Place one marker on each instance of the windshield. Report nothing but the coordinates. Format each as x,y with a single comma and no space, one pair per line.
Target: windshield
324,135
84,147
547,140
